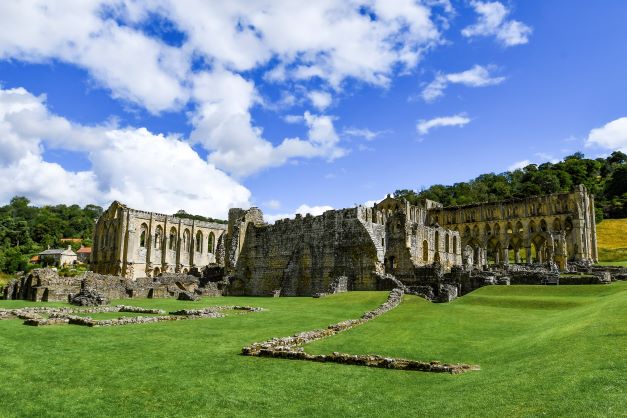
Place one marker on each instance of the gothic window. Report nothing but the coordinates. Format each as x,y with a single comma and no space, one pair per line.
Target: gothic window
557,225
425,251
172,241
211,245
158,237
446,243
142,235
454,244
199,241
186,241
543,226
519,227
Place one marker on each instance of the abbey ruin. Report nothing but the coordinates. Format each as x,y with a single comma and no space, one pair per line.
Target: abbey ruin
352,248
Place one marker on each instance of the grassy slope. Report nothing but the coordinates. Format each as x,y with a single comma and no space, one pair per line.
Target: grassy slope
543,350
612,241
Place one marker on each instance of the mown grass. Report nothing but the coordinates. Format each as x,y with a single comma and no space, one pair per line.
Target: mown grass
543,350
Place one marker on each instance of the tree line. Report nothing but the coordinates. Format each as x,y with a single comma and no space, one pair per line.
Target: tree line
606,178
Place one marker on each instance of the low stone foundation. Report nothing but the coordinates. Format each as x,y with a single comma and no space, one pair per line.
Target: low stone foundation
39,316
291,347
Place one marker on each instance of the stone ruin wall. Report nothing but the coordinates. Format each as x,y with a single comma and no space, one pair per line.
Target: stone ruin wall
134,244
45,285
303,256
558,228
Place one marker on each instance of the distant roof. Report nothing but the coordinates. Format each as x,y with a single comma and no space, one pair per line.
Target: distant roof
57,251
84,250
70,240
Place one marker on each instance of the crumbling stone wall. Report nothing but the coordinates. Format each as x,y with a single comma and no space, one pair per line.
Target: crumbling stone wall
302,256
46,285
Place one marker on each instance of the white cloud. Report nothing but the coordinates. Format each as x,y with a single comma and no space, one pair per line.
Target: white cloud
612,135
303,209
144,170
364,133
477,76
320,99
492,22
273,204
425,125
519,165
330,40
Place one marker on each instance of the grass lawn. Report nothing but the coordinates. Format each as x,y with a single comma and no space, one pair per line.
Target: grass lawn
543,351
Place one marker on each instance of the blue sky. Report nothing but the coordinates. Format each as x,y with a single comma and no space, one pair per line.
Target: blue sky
298,106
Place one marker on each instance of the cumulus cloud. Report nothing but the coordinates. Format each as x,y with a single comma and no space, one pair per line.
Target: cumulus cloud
303,209
612,135
133,165
519,165
426,125
320,99
368,42
492,22
477,76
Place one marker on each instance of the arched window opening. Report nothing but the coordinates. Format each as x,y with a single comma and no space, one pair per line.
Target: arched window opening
532,227
186,241
199,241
454,245
446,243
172,239
158,237
497,229
519,227
142,236
437,241
488,230
211,245
557,225
510,230
425,251
543,226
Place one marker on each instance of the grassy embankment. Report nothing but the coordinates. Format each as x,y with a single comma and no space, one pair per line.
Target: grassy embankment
543,351
612,242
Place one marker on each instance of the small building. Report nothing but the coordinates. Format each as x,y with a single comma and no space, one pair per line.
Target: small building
34,259
58,257
83,255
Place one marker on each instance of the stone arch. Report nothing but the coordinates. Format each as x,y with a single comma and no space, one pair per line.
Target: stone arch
568,224
211,243
425,251
143,235
187,241
172,239
158,237
199,241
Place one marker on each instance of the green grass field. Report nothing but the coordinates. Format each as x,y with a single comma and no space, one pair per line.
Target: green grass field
555,351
